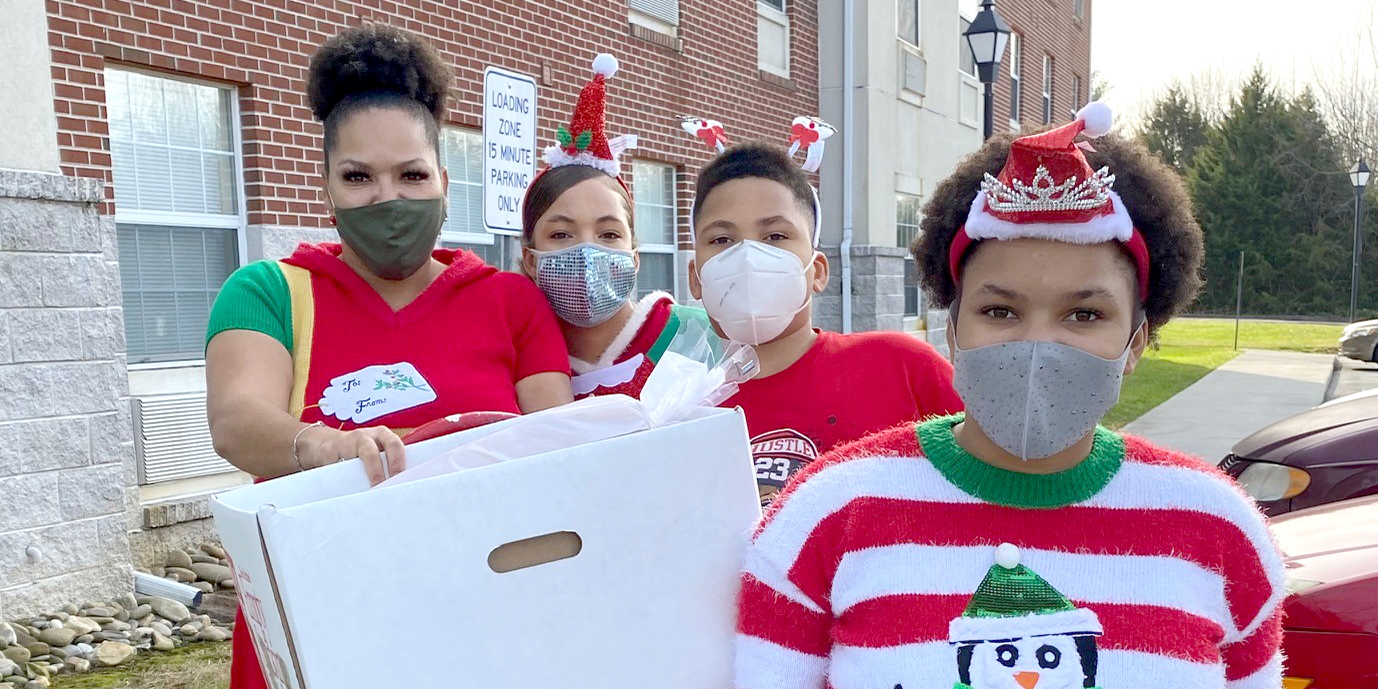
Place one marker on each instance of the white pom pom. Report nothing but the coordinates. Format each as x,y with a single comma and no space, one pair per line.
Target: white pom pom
1098,118
605,64
1007,555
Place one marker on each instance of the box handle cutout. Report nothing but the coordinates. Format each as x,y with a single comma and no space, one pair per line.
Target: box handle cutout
533,552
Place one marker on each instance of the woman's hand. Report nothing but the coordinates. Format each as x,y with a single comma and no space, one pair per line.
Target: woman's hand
319,445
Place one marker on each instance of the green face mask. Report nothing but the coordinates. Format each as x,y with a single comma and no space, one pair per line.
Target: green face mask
394,238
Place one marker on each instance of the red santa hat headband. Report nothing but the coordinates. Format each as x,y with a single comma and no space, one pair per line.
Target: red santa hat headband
585,141
1047,190
805,132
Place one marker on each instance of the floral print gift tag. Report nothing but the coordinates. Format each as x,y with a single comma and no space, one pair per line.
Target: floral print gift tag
376,391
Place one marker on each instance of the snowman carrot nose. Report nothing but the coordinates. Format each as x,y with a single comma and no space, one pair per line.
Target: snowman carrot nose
1028,680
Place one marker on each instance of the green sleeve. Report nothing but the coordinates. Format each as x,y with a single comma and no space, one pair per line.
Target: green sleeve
679,315
254,298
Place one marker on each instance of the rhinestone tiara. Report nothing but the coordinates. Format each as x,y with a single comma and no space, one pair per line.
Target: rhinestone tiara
1044,194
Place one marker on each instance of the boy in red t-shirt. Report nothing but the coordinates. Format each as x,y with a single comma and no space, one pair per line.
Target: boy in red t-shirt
756,268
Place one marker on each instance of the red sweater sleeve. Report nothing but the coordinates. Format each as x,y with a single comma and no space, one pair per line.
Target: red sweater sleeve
535,333
931,380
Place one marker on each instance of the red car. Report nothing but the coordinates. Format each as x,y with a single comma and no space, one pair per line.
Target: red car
1330,633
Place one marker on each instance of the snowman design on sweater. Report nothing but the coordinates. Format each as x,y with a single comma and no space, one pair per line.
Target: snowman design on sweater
1018,632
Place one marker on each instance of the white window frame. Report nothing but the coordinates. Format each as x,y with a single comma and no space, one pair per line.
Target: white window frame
1048,67
673,246
447,236
643,18
1077,98
765,12
238,222
1016,78
917,39
1079,9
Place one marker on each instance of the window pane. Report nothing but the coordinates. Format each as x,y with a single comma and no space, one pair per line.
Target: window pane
776,4
657,273
171,145
909,21
966,61
653,187
772,43
461,151
907,213
170,278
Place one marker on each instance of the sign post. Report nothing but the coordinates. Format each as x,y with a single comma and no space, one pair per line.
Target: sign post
509,147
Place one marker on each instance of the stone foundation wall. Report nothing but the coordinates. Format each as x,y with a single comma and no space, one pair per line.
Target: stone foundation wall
877,290
67,474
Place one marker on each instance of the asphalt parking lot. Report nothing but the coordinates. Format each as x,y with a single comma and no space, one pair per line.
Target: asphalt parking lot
1351,376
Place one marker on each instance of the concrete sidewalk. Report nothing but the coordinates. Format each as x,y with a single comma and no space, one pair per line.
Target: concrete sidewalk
1228,404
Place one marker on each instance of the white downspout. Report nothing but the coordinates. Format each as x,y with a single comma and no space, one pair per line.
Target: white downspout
848,156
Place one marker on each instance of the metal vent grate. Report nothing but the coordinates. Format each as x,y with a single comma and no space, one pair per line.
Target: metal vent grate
664,10
915,72
173,439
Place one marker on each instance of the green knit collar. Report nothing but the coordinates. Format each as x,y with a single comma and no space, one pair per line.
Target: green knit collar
1001,486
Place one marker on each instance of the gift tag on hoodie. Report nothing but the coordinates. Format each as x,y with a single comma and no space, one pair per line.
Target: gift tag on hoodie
376,391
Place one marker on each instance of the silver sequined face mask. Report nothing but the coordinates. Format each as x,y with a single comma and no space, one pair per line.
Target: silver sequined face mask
586,284
1034,398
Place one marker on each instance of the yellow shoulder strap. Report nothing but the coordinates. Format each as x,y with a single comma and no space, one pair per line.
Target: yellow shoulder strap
303,326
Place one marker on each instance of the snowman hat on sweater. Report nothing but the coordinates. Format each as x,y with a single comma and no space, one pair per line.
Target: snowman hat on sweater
585,141
1013,602
806,132
1047,190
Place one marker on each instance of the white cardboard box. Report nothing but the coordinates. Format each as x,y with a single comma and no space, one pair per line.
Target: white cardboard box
344,586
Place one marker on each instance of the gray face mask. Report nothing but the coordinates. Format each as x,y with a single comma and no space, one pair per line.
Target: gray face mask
1034,398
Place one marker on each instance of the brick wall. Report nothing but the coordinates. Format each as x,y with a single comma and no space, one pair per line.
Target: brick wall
66,445
263,48
1047,27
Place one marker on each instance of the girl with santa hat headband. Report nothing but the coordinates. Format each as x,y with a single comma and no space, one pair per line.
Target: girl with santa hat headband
579,245
1019,545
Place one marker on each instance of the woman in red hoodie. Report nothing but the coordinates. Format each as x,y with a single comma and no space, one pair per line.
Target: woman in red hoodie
336,351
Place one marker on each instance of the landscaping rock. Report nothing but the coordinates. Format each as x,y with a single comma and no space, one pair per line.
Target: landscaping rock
227,584
212,634
190,629
203,586
122,616
7,636
161,628
78,664
140,611
178,558
112,653
22,636
127,601
38,648
8,667
211,571
82,625
58,636
122,637
204,558
162,642
181,574
170,609
70,609
85,639
99,612
213,550
18,654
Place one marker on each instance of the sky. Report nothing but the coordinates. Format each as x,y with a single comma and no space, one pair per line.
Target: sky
1141,46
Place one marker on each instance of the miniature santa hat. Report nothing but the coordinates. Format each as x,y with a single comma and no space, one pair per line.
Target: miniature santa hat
585,141
1013,602
1047,190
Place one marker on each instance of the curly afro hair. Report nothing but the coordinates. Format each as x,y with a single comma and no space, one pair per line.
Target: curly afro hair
1152,192
377,66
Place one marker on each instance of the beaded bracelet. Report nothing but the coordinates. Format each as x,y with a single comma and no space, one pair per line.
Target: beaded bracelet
296,456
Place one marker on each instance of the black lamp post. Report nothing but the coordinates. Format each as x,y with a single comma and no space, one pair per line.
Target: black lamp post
1358,176
987,37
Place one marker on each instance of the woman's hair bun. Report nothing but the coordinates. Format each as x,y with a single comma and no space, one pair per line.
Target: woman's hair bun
374,58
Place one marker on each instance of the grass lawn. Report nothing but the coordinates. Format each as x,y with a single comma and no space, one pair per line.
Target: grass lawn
1190,348
198,666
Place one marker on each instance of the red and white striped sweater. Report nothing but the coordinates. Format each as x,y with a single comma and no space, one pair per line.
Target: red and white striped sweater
865,573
